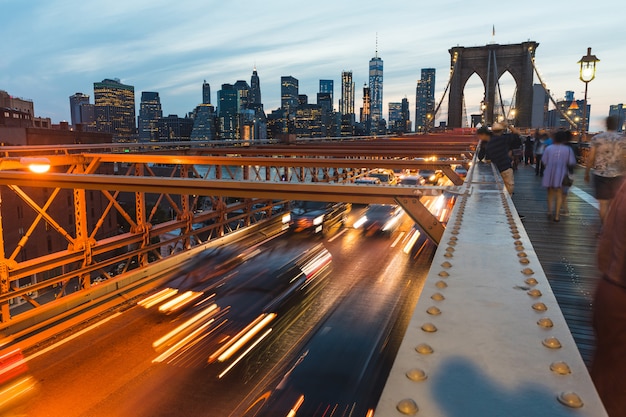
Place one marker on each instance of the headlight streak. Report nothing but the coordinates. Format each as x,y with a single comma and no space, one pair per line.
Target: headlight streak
296,406
318,220
155,299
409,245
236,361
176,347
316,264
241,338
204,313
286,218
357,224
180,301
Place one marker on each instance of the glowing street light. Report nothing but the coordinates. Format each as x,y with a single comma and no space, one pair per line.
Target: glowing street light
587,74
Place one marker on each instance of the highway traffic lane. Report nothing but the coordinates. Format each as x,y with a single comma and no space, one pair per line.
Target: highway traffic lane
345,362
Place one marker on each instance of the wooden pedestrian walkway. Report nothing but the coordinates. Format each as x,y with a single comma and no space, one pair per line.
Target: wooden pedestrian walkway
566,250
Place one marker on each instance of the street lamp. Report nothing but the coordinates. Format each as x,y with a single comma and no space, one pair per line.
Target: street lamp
587,74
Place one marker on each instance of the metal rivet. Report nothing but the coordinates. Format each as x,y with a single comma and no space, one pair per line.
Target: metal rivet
545,322
560,368
407,407
441,284
552,343
519,248
455,232
454,238
540,307
452,243
444,274
527,271
522,255
531,281
424,349
416,374
448,255
518,243
446,264
433,311
449,249
437,296
516,236
534,293
429,327
524,261
570,399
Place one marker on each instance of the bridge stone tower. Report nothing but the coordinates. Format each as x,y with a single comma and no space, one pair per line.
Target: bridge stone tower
490,62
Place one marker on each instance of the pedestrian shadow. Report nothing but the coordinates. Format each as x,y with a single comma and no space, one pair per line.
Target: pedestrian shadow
461,389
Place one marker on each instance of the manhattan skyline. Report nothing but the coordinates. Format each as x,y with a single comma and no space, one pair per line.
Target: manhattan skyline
62,47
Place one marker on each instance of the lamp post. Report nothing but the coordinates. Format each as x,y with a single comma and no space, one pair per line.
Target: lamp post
587,74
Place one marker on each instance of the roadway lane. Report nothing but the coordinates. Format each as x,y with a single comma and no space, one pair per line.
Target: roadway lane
346,322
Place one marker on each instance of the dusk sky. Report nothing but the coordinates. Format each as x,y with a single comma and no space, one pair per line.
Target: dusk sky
55,48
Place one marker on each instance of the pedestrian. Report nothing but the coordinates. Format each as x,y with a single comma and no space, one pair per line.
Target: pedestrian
529,145
606,158
484,135
557,159
499,152
608,367
540,146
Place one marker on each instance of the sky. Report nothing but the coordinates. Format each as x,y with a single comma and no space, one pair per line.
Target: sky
52,49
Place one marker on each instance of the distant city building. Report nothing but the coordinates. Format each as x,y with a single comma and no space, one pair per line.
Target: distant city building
21,105
346,104
303,99
203,122
206,93
228,112
115,109
289,94
618,111
150,112
327,87
259,121
366,119
399,117
539,112
308,121
172,128
425,100
243,89
255,88
376,92
571,108
76,102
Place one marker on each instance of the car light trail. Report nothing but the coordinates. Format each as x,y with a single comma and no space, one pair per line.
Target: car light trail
296,406
180,301
175,348
155,299
395,242
409,245
232,365
242,338
357,224
204,313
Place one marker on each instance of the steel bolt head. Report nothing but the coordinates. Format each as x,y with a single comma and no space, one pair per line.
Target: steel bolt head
552,343
407,407
437,296
429,327
534,293
416,375
424,349
433,311
560,368
540,307
545,322
570,399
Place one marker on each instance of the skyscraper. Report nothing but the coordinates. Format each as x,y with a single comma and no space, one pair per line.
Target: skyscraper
376,91
425,100
618,111
255,88
289,94
206,93
346,104
115,109
149,114
228,112
399,117
366,110
76,102
327,86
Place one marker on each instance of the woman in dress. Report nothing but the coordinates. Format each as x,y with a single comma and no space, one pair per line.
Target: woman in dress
557,158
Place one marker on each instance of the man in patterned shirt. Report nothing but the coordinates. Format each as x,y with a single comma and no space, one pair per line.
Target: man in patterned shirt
606,158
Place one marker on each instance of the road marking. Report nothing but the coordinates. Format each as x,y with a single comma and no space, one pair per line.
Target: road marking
337,235
72,337
586,197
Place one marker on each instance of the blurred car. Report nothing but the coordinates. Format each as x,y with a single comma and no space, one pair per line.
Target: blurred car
386,176
412,180
367,180
317,216
380,218
431,176
461,171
